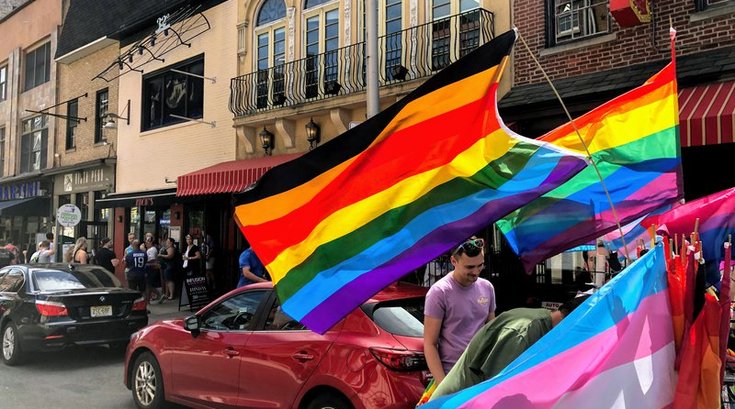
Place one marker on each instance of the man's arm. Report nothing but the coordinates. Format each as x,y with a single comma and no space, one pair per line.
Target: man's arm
250,276
490,317
432,328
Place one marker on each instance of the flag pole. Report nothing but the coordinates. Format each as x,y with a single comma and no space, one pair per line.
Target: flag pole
371,58
584,144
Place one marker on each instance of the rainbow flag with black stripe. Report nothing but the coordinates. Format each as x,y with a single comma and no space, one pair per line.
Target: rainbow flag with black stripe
616,350
347,219
634,140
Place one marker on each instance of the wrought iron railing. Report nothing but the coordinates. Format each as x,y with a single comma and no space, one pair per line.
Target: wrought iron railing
415,52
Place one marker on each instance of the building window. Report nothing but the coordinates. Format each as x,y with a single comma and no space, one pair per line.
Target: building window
33,144
3,83
322,43
571,20
102,105
393,35
82,202
38,67
102,214
2,151
72,111
167,93
444,29
270,34
705,4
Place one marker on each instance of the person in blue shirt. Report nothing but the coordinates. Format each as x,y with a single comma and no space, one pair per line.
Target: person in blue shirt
135,262
251,269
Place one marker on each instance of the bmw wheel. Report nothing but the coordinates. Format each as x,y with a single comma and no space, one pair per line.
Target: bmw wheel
11,353
147,383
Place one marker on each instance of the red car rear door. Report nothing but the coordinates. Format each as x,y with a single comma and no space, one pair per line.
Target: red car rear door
206,368
279,358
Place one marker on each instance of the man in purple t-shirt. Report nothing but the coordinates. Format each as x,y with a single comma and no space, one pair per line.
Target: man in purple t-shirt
457,306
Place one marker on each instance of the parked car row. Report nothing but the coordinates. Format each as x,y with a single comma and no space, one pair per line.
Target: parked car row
46,307
242,351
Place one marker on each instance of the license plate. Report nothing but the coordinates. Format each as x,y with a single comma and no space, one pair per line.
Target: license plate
100,311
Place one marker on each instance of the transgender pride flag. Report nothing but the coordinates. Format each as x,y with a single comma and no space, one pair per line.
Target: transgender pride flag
614,351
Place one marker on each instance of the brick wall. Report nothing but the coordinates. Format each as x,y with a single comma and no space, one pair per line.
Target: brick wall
75,79
629,46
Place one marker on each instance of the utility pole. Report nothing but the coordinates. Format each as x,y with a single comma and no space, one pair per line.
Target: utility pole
371,58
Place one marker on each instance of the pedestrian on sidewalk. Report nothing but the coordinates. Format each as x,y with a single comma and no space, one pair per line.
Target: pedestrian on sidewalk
192,258
170,258
252,269
135,261
105,256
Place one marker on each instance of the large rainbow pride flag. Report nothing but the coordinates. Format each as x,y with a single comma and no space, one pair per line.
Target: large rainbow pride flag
634,140
616,350
347,219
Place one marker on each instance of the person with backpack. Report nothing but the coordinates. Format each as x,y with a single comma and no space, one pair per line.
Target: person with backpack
43,254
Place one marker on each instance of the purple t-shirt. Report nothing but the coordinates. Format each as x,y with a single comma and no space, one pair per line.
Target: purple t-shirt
463,311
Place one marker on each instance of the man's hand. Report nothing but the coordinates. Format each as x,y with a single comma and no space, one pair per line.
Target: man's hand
432,328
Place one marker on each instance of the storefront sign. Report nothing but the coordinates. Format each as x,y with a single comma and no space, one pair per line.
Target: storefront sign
20,190
197,293
68,215
85,180
144,201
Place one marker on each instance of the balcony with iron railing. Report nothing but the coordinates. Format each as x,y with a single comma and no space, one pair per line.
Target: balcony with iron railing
413,53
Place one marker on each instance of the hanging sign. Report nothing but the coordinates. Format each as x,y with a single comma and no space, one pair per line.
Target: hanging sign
68,215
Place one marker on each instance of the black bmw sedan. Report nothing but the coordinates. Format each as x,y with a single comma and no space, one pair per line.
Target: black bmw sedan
46,307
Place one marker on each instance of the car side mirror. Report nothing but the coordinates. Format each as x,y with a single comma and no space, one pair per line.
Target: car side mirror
191,324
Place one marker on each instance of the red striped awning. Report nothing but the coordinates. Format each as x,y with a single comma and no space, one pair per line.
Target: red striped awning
228,177
707,114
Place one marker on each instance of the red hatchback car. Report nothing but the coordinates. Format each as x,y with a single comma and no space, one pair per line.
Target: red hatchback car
242,351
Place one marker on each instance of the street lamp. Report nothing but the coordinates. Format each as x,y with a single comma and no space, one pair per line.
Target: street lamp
266,140
312,134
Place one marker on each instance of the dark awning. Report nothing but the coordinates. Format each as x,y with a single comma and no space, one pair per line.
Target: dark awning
29,206
150,198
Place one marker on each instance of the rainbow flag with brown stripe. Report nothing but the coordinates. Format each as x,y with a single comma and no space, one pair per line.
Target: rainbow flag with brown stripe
342,222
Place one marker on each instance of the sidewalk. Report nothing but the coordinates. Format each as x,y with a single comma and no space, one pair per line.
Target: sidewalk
166,311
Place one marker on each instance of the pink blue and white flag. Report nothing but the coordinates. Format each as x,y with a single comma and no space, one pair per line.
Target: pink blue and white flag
616,350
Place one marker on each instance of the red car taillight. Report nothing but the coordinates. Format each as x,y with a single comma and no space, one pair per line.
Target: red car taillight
139,304
51,309
400,359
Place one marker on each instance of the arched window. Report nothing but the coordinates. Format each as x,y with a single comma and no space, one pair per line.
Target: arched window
270,46
270,11
313,3
321,47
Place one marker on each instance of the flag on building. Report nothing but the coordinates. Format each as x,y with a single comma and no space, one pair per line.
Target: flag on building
634,141
616,350
347,219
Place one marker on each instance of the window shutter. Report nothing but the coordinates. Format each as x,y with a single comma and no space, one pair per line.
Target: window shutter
44,148
550,31
25,153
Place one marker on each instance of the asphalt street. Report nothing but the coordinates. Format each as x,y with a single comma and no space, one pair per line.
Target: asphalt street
77,378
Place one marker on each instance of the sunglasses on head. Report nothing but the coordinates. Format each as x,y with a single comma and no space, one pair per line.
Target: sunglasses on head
471,247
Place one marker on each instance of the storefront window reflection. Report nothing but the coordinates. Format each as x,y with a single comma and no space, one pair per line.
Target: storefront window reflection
134,221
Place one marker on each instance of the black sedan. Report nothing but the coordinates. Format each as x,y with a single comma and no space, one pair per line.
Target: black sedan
46,307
